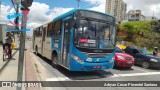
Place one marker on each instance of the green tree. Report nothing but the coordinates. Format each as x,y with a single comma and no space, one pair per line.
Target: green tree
141,33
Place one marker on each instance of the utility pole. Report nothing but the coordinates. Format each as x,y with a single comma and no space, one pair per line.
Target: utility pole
25,10
0,8
21,50
78,3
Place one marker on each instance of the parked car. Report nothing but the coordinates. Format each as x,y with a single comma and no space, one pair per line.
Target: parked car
123,59
143,57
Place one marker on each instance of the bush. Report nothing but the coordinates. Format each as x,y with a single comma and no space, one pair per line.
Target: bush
141,33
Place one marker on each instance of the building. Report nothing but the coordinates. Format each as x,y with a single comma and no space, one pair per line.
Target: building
151,18
116,8
3,28
135,15
2,32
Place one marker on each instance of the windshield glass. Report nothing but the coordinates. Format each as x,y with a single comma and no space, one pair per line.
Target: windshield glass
118,50
94,34
145,52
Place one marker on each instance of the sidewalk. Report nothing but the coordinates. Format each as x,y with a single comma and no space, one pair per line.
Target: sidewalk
10,69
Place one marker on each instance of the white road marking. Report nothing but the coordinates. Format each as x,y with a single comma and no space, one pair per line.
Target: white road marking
139,69
58,79
136,74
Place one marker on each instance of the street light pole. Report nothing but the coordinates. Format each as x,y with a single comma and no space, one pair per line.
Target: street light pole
78,3
25,10
0,8
22,49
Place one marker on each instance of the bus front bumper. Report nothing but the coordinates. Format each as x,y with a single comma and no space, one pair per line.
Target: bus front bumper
88,66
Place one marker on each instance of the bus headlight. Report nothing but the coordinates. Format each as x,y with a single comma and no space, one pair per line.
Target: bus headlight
111,60
89,59
77,58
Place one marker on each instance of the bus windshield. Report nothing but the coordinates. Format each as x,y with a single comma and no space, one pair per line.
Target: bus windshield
94,34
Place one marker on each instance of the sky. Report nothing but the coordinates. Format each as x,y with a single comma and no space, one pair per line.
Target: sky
43,11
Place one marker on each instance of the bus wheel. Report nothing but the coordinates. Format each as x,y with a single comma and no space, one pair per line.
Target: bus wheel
36,50
54,59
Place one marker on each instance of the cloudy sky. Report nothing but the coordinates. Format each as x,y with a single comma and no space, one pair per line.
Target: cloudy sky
43,11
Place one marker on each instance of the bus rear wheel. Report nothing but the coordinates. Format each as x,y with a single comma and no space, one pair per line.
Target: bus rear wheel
54,60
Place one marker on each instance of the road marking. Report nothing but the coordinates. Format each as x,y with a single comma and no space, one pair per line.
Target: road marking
139,69
136,74
58,79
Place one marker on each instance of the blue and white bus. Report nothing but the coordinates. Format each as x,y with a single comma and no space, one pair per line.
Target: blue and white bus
79,40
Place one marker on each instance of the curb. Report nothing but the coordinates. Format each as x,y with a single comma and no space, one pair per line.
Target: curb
34,71
30,71
39,68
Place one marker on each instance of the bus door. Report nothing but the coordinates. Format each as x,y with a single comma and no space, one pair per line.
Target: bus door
33,40
43,40
66,42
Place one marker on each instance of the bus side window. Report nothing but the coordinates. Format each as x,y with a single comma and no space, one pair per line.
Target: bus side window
40,33
35,33
44,33
57,28
50,30
49,33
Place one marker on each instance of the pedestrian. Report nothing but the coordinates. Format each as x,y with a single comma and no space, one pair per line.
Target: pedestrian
8,41
155,51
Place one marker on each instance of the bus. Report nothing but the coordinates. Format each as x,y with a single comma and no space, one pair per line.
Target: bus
79,40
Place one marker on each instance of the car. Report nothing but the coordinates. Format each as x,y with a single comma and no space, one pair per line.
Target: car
123,59
143,57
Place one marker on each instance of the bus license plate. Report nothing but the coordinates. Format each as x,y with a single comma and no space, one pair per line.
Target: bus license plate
96,67
129,62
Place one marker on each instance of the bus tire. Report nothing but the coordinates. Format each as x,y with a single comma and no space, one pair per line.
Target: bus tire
54,59
36,50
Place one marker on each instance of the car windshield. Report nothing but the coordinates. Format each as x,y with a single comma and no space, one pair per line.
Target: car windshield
94,34
119,51
145,52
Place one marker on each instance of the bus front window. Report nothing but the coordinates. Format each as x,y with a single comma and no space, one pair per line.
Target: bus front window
93,34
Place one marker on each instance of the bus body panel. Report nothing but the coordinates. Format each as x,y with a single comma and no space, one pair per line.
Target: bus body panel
69,56
48,47
38,41
76,66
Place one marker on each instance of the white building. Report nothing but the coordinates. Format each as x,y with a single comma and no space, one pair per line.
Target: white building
135,15
3,30
151,18
116,8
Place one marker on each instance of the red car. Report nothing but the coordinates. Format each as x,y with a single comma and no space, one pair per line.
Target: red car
123,59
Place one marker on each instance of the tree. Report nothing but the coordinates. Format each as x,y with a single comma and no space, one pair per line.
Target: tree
141,33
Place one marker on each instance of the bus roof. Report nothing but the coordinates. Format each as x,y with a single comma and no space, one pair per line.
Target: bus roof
70,12
74,10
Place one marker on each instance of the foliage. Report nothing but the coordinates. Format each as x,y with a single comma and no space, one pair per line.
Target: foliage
141,33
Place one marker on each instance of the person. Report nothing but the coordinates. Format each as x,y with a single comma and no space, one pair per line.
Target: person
8,41
155,52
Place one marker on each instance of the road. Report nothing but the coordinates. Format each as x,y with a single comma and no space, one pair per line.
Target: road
136,73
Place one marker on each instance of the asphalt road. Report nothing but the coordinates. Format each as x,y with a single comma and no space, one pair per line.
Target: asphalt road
136,73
